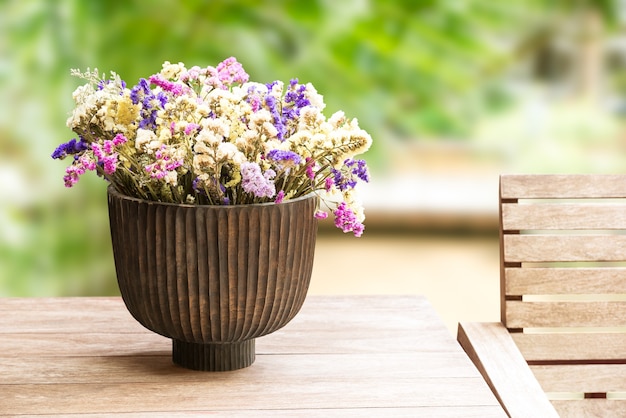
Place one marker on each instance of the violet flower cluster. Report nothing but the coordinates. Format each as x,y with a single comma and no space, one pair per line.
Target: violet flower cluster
210,136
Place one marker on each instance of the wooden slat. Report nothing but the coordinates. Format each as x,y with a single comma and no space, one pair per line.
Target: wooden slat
563,216
546,248
104,326
598,408
423,411
492,350
232,394
581,378
115,369
572,346
565,314
557,281
570,186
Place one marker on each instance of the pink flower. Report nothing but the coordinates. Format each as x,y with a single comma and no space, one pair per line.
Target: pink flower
230,71
345,219
255,182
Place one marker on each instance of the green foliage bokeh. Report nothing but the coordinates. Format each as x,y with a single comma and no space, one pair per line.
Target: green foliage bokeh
406,69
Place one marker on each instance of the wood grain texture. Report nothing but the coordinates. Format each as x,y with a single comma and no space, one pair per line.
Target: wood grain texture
565,281
590,408
564,186
565,314
341,356
572,346
581,378
563,216
492,350
425,411
563,248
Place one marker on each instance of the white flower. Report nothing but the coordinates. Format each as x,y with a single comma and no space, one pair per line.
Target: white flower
227,151
315,99
172,71
143,138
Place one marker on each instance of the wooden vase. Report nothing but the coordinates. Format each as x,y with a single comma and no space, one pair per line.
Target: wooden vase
212,278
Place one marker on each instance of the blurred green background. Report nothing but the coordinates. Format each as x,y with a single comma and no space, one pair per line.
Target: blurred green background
521,85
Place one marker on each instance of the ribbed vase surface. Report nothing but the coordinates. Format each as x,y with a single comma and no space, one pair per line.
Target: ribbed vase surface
213,278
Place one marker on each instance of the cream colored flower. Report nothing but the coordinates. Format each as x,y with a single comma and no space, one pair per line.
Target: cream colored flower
172,71
143,138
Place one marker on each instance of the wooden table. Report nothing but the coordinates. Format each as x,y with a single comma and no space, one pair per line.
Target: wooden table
380,356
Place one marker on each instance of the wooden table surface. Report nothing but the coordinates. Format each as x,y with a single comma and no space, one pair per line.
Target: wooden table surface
379,356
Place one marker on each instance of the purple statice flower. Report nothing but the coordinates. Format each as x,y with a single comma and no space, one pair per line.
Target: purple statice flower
230,71
342,182
284,159
175,88
139,91
359,169
69,148
150,103
196,185
295,99
272,106
346,220
255,182
352,171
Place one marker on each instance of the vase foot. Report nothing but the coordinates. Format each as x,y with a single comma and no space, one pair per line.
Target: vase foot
213,357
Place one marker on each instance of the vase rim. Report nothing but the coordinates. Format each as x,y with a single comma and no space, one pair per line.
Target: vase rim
111,190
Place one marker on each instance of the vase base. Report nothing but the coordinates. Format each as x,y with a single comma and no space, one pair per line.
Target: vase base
213,357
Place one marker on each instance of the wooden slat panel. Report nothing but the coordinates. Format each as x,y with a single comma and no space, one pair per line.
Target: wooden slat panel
597,408
557,281
547,186
545,248
572,346
565,314
563,216
582,378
